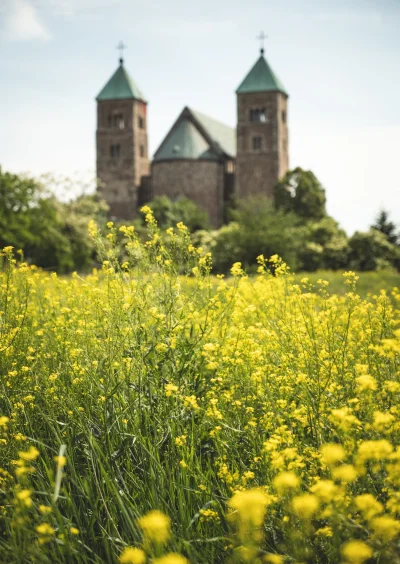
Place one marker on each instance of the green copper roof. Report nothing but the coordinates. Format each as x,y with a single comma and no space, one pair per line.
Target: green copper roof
120,87
196,136
261,78
222,134
183,142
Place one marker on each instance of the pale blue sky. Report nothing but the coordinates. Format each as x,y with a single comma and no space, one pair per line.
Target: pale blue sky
339,60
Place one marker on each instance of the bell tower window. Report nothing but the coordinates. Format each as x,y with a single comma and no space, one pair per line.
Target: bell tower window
115,151
118,121
141,122
258,115
257,143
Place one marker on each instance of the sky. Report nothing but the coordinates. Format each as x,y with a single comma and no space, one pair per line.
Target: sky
339,61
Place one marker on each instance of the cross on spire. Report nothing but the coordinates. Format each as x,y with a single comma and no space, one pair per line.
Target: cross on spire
261,38
121,46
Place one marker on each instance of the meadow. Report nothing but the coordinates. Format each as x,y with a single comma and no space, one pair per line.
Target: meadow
150,413
368,283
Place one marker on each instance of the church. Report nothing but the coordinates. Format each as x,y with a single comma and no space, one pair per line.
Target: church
199,158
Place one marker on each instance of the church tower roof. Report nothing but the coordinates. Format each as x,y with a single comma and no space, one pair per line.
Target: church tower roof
196,136
261,78
120,87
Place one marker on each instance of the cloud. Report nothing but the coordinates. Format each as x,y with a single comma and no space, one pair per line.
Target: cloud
22,22
71,8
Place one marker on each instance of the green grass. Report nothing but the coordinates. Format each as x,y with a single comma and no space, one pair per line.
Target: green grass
368,283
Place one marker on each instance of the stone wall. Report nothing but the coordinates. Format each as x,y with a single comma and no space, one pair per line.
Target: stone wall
257,171
201,181
142,162
119,177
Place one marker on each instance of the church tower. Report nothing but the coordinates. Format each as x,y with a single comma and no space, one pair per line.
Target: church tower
262,131
121,143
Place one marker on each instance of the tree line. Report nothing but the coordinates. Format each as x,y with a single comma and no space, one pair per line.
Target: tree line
293,224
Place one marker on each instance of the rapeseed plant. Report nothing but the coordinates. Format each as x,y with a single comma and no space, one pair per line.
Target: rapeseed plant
150,412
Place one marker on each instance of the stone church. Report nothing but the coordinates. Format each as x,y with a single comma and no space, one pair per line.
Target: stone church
199,158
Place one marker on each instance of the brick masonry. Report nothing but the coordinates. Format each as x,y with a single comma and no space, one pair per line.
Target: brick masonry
258,171
199,180
119,177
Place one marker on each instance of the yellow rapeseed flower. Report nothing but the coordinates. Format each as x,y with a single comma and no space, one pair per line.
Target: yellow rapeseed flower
385,527
45,529
286,481
368,505
132,555
325,532
345,473
25,497
155,526
236,269
366,382
170,389
356,552
305,506
31,454
373,450
61,461
180,441
382,420
171,558
325,490
250,505
274,559
332,453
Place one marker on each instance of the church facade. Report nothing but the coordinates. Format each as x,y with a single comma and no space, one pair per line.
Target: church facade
199,158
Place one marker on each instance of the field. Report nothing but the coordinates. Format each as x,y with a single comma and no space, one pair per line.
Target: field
368,283
151,414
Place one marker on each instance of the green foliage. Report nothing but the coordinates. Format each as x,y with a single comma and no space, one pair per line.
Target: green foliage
388,228
168,213
258,228
300,192
21,200
294,225
372,251
51,234
75,216
226,243
322,244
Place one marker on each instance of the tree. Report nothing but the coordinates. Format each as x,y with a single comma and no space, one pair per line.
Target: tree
388,228
168,213
333,241
372,251
300,192
51,234
75,216
18,195
257,228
